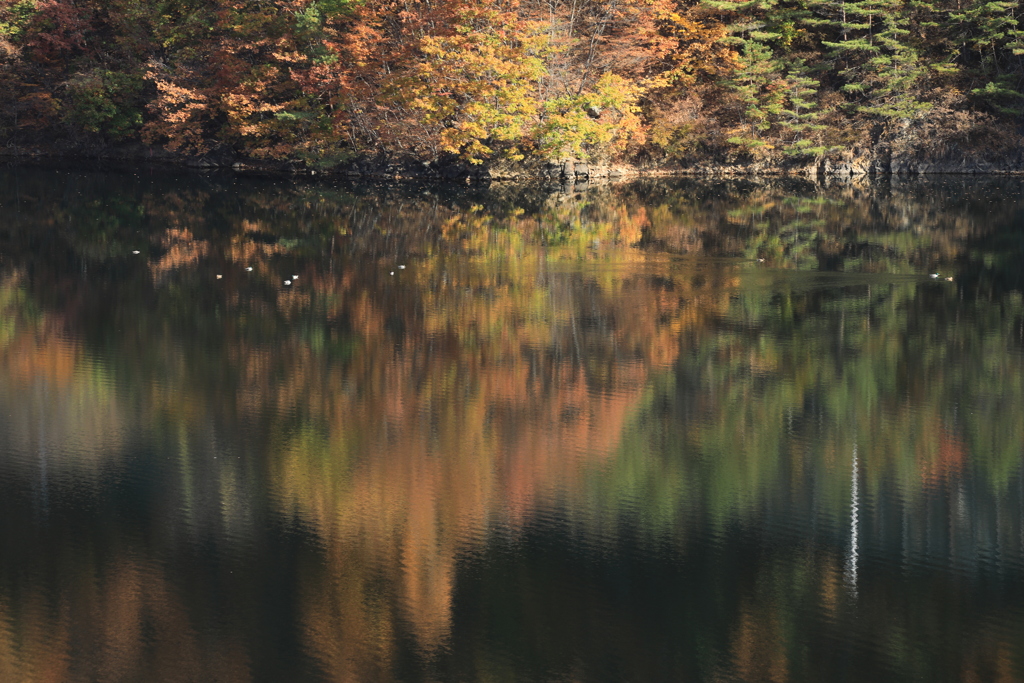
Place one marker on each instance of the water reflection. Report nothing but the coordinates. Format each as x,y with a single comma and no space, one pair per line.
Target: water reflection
648,432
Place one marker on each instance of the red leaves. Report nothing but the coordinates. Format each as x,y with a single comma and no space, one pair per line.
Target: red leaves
305,78
60,27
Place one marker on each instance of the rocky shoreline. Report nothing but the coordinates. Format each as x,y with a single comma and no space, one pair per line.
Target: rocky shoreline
881,161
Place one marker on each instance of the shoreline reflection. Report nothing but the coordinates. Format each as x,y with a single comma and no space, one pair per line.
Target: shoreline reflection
597,417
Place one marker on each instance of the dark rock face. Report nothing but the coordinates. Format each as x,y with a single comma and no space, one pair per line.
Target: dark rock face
906,156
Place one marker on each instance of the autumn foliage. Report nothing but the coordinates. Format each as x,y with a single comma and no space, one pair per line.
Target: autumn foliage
326,81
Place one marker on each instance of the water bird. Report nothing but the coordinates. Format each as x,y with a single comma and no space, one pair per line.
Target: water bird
248,268
295,277
934,276
219,276
136,251
287,282
392,272
401,267
949,279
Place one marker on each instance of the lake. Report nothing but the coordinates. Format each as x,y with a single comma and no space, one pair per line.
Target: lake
264,430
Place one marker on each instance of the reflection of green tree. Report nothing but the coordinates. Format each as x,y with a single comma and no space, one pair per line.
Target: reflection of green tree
756,417
17,310
879,227
767,357
779,393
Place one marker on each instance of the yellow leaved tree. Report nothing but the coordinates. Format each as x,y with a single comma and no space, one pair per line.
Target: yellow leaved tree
473,93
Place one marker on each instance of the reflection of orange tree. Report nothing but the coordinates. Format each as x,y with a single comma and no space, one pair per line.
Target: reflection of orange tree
130,619
440,401
403,416
62,396
870,227
506,382
61,401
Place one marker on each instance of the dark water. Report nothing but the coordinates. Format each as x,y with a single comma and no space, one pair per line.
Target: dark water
660,432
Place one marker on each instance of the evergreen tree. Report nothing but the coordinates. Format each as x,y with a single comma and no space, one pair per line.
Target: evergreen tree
989,31
771,83
800,118
759,85
880,65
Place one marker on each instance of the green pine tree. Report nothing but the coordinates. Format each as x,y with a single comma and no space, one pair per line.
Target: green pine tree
771,83
882,68
799,119
992,42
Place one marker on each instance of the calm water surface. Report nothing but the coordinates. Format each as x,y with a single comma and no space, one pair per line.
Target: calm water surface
659,432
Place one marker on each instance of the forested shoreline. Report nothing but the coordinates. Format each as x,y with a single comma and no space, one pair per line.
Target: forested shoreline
762,85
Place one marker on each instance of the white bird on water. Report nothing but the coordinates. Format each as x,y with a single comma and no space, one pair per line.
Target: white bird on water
287,282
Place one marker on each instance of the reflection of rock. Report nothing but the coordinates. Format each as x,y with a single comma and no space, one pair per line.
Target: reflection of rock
850,164
568,168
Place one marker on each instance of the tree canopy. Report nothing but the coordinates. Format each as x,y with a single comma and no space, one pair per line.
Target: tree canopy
325,81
